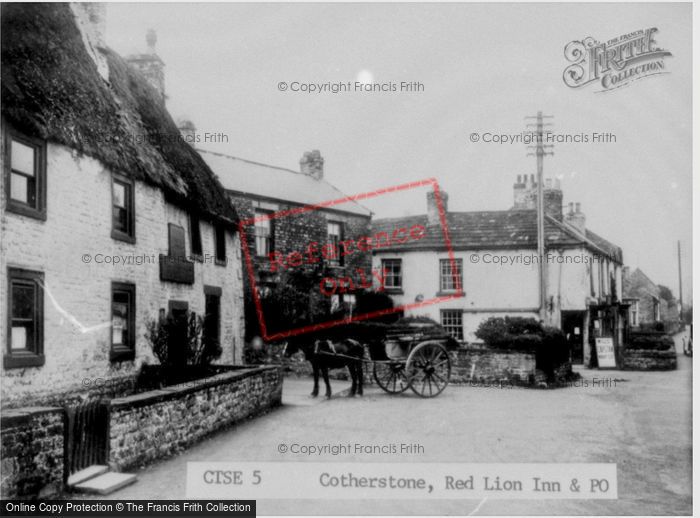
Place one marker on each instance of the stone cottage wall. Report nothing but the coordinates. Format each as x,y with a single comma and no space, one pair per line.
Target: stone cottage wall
79,258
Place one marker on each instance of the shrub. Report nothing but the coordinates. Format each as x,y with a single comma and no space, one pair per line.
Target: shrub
523,325
650,342
373,301
555,348
527,334
178,341
510,332
494,332
657,327
529,342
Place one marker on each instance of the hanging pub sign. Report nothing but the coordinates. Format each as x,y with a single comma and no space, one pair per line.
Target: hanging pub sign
605,351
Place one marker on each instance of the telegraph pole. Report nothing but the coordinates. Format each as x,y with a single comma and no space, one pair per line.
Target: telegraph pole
680,284
540,150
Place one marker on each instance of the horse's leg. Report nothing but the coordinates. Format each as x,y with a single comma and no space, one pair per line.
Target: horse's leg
324,371
314,392
360,376
353,377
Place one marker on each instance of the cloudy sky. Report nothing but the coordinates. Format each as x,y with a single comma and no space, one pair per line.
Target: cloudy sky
483,67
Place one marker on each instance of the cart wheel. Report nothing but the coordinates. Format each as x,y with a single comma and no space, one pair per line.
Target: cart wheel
428,369
390,376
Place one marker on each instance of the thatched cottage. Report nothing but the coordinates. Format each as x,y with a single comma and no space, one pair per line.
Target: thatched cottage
109,219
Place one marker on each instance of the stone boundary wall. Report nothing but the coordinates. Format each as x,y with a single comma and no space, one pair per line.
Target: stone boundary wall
156,424
481,366
649,360
32,454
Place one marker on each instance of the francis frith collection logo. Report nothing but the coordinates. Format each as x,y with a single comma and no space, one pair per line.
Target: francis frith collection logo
616,62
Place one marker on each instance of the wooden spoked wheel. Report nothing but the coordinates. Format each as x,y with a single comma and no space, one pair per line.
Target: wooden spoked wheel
428,369
391,376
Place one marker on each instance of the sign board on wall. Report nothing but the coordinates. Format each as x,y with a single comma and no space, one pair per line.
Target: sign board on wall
605,350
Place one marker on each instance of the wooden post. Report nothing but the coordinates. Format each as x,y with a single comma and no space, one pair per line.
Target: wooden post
586,338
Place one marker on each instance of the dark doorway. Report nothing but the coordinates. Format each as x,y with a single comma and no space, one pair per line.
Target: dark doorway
212,313
177,347
572,325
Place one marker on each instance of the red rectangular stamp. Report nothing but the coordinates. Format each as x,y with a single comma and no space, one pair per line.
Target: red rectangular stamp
308,267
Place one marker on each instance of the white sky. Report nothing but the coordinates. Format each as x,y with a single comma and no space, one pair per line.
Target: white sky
484,68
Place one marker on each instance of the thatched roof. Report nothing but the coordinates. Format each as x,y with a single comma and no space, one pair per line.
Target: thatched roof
51,89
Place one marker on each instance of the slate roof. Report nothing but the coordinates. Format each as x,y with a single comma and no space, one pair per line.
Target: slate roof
52,90
278,183
493,230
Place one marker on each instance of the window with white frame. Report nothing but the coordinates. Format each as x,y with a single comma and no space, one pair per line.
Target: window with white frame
451,320
450,275
335,236
392,274
264,227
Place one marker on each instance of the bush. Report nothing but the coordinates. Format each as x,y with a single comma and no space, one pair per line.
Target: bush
650,342
530,342
517,333
653,327
494,332
373,301
178,341
527,334
554,346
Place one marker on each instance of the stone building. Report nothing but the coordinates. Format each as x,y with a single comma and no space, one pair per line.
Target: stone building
646,305
496,266
270,195
104,227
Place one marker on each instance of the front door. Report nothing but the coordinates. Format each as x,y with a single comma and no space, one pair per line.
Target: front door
572,326
177,347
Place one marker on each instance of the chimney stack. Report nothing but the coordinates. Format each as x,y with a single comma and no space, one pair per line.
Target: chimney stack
576,218
151,39
525,195
150,64
433,210
312,164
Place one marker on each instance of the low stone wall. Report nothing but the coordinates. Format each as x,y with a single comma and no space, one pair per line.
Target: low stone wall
649,360
32,452
475,365
156,424
89,389
488,366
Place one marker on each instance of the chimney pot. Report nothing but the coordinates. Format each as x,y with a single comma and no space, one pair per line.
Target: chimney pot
151,39
188,131
150,65
576,218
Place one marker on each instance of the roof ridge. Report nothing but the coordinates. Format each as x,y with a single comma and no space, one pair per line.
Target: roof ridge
451,212
329,184
254,162
575,233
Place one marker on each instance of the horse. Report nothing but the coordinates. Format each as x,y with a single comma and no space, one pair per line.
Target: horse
325,354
